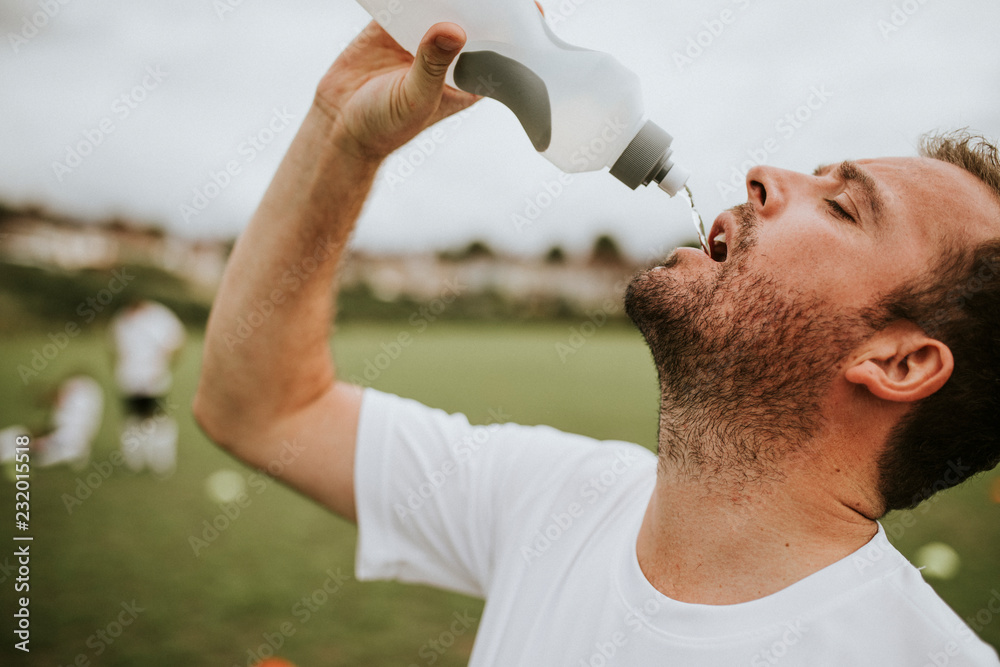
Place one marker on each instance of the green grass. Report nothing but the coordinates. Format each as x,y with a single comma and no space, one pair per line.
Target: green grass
129,539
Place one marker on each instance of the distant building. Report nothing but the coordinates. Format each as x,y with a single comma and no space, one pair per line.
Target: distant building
423,277
33,237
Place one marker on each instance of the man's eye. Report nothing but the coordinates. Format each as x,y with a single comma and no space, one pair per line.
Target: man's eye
840,211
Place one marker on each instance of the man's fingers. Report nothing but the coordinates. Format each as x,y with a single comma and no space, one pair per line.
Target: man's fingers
425,80
453,101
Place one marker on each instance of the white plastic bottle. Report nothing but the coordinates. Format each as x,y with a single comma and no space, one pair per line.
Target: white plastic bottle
582,109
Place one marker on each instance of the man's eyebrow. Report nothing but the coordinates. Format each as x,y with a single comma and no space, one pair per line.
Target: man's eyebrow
851,172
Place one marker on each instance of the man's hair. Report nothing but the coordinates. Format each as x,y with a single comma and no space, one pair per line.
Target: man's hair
954,433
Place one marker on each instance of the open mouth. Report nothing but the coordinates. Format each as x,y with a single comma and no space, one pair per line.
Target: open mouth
718,241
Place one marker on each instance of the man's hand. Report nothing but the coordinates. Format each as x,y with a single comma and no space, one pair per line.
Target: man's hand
379,96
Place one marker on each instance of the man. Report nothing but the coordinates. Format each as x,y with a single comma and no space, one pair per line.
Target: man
147,337
76,418
72,426
796,380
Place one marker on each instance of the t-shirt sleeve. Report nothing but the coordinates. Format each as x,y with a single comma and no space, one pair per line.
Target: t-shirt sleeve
439,500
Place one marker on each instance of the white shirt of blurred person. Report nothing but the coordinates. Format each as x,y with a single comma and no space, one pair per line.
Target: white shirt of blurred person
147,335
76,419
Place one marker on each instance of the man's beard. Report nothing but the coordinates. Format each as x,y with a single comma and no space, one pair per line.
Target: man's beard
743,364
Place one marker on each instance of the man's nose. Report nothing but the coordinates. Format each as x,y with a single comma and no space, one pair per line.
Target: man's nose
768,188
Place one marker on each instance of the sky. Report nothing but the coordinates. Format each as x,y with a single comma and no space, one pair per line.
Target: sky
164,96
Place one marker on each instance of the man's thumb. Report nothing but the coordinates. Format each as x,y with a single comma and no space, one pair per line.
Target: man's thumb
439,47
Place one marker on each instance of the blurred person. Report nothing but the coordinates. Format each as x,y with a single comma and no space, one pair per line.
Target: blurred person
147,337
77,414
832,359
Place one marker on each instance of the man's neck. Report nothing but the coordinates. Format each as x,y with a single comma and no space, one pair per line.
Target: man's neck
709,541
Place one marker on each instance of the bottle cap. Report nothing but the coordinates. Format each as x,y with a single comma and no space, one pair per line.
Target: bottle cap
647,158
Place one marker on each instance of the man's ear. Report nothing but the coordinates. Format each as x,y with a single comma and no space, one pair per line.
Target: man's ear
901,363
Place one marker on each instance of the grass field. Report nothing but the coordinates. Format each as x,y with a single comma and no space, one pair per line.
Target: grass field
262,579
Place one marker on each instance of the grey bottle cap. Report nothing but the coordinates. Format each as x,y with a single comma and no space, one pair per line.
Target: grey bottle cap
645,158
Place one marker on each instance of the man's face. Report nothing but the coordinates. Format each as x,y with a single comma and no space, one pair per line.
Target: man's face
757,338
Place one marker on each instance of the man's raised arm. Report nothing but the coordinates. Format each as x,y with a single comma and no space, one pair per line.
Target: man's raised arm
268,391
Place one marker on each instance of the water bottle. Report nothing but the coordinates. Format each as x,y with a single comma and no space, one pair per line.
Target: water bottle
581,109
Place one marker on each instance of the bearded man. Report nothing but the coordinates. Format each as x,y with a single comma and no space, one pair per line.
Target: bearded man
834,357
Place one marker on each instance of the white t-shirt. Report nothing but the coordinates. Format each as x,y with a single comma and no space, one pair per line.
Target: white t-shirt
543,525
76,420
145,339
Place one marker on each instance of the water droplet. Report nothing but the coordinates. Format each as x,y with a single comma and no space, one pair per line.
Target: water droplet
699,225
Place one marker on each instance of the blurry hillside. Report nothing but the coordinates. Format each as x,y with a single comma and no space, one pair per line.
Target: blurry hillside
54,266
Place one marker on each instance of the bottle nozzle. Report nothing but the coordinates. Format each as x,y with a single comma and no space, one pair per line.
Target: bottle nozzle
647,158
673,181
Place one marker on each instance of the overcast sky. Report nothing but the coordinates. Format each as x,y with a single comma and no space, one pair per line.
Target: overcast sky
199,82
